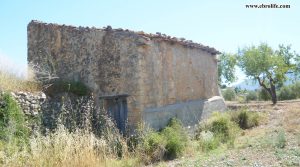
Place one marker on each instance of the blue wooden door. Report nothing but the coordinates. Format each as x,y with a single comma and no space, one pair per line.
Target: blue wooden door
117,110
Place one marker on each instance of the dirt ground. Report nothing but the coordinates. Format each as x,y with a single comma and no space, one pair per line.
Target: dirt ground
275,142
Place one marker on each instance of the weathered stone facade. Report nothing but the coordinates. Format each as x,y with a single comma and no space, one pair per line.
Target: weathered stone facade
154,70
31,103
65,108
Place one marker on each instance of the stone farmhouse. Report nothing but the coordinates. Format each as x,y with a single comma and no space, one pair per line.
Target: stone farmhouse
135,76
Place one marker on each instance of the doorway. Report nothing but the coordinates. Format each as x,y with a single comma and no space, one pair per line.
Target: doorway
116,107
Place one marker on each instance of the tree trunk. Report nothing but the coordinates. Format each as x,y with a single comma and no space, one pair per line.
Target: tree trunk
271,90
273,93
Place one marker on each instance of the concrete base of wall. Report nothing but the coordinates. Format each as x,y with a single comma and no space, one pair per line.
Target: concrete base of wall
190,113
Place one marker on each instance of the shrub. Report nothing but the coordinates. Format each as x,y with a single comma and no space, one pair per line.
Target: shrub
250,96
280,141
208,141
151,146
287,93
264,95
240,98
229,94
59,86
296,88
12,120
169,143
245,118
176,139
223,129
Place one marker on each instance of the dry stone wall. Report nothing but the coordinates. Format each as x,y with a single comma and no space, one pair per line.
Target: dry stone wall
64,109
31,103
105,60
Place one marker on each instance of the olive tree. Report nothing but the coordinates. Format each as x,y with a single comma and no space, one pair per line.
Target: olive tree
267,66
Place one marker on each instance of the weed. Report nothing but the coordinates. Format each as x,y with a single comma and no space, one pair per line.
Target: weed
64,148
208,141
152,147
169,143
176,139
245,119
224,130
280,140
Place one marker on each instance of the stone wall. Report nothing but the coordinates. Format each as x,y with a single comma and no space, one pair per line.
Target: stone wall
156,70
104,60
172,73
64,109
31,103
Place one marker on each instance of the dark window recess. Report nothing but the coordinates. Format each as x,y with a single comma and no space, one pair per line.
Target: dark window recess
116,107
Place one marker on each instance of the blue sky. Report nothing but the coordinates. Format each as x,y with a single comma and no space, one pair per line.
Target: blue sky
225,25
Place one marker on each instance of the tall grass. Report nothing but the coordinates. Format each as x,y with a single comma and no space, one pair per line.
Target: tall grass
223,128
246,119
60,147
64,148
11,75
12,82
83,148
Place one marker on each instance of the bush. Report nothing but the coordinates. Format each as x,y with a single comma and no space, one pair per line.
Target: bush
59,86
287,93
280,141
220,127
12,121
169,143
229,94
176,139
208,141
296,89
250,96
224,130
151,146
240,98
245,118
264,95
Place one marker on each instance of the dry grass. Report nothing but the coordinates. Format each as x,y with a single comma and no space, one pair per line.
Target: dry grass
12,76
11,82
63,149
291,118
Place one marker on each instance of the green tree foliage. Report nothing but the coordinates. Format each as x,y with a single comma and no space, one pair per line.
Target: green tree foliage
226,68
267,66
289,92
251,96
229,94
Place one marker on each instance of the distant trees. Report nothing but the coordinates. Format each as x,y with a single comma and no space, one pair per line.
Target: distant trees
263,64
